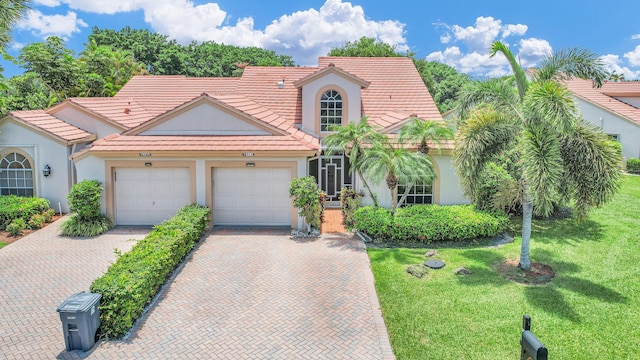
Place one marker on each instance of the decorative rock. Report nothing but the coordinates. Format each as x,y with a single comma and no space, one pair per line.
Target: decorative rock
431,253
462,271
418,271
434,264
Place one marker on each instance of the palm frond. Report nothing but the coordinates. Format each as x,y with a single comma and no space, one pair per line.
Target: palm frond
500,94
484,134
420,131
552,103
542,166
518,73
571,63
592,167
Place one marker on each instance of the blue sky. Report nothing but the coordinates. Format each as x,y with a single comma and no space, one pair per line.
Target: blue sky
454,32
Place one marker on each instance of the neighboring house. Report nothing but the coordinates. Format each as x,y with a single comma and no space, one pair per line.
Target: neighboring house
615,108
233,144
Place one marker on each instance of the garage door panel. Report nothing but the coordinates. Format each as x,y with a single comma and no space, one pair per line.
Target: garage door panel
148,196
251,196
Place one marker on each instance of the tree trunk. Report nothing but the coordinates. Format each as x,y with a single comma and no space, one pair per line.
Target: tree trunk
373,196
527,214
394,199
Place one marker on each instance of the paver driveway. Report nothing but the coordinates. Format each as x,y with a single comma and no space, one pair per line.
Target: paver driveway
37,273
262,295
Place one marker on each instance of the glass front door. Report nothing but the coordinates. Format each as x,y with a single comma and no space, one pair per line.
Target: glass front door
332,174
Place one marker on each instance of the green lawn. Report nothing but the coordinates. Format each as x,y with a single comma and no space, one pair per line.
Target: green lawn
2,244
590,310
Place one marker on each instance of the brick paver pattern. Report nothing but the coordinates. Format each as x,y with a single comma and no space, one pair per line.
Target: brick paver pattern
37,273
264,295
332,222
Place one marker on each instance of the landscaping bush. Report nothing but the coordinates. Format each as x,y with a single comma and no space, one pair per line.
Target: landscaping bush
16,207
133,280
429,223
48,215
633,166
16,227
36,221
84,201
307,198
350,201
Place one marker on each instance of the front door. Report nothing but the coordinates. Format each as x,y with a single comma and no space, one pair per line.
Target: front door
332,174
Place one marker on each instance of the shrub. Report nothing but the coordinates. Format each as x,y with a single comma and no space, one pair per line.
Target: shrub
84,201
15,207
36,221
428,223
307,197
350,201
16,227
133,280
48,215
633,166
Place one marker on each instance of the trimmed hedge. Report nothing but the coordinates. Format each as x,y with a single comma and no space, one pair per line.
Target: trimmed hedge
633,166
134,279
16,207
429,223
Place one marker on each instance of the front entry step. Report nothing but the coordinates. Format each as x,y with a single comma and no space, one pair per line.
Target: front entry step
332,222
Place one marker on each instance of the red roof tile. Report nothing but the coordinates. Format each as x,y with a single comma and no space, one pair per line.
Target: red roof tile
585,90
41,120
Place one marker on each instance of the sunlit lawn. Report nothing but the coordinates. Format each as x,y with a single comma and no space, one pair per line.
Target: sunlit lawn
2,244
591,310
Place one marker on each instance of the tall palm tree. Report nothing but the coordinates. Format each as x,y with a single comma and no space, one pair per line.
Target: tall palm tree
563,158
423,132
397,165
352,139
11,11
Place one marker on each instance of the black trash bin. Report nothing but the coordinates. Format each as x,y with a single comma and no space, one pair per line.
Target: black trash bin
80,318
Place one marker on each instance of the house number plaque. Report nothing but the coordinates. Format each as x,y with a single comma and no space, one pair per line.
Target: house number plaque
247,154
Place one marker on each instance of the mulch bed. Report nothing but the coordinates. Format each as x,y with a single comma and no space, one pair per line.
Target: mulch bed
5,238
538,274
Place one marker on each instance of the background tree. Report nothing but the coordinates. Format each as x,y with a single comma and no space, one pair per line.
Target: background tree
26,92
367,47
443,81
562,158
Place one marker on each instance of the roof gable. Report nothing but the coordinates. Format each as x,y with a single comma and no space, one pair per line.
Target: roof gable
331,69
208,115
42,122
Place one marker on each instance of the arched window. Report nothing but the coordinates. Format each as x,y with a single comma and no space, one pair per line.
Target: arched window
330,110
16,175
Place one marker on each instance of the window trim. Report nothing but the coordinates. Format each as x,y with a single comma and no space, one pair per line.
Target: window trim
16,190
345,107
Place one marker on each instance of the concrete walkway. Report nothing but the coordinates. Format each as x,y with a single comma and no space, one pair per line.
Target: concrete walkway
244,294
37,273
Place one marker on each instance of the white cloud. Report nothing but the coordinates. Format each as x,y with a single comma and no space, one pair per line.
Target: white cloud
635,37
47,25
614,63
304,34
633,56
50,3
468,49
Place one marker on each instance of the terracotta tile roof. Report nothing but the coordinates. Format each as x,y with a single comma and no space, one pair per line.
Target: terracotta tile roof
42,121
395,86
141,143
624,88
121,111
585,90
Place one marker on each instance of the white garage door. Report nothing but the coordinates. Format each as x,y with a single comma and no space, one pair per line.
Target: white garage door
148,196
251,196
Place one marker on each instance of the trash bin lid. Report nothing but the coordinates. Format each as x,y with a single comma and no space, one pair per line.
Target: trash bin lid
79,302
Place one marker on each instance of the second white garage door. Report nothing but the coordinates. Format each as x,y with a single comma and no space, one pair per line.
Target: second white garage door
252,196
148,196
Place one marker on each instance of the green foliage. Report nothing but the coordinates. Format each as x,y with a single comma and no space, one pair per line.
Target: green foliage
16,227
429,223
15,207
26,92
48,215
74,227
633,166
490,181
307,199
350,201
84,199
443,81
12,11
36,221
367,47
134,279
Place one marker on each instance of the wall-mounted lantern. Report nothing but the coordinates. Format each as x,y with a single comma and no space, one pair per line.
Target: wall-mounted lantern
46,171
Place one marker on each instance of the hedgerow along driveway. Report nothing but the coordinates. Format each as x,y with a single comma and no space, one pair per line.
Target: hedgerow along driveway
37,273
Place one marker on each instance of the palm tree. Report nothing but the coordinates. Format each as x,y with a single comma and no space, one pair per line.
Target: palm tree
563,158
11,11
352,139
397,165
422,132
